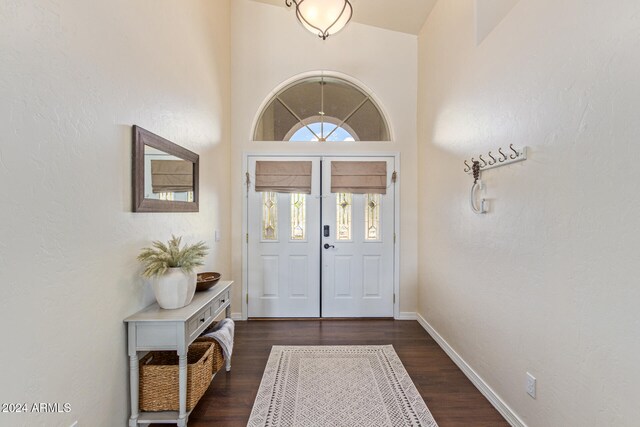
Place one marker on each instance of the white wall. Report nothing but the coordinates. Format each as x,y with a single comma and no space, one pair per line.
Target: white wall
546,282
74,76
269,47
488,14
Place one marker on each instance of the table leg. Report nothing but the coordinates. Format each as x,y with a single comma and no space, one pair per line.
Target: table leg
182,381
133,385
227,313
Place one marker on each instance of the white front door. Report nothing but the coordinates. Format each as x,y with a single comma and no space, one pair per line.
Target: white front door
284,249
285,263
357,254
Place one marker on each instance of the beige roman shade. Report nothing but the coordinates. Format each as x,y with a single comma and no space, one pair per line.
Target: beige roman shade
171,176
359,177
283,177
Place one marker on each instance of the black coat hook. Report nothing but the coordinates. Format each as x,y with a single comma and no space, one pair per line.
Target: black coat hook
504,156
491,163
484,163
468,168
516,155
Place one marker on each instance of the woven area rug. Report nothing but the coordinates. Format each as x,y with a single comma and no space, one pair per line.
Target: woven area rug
332,386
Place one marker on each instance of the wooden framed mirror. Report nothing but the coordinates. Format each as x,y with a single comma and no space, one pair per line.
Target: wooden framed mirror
165,175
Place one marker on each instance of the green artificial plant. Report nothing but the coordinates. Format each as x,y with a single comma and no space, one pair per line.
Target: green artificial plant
159,258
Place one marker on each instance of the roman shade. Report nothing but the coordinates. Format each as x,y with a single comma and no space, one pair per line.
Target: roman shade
171,176
359,177
283,177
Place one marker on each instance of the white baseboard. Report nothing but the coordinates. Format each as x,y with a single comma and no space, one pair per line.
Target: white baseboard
473,376
406,315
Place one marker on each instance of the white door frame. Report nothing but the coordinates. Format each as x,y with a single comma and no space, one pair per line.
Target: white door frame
396,221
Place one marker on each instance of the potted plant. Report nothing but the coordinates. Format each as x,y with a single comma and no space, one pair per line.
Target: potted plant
171,269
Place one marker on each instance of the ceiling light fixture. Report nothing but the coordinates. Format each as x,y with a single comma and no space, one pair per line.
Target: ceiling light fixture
322,17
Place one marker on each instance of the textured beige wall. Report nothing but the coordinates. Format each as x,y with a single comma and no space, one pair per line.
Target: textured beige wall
269,47
547,281
74,77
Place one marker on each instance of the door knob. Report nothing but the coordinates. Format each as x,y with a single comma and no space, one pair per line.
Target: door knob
327,246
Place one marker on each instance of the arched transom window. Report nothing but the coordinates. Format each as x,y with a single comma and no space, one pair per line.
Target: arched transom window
321,109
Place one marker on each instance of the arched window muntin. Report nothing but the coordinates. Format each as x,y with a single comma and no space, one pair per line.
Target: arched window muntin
331,123
331,99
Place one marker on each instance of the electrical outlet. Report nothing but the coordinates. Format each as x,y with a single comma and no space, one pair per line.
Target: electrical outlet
531,385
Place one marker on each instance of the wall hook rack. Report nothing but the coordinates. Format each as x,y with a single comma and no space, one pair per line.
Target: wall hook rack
477,185
515,155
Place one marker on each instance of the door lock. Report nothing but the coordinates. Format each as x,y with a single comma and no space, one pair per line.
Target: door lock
327,246
326,231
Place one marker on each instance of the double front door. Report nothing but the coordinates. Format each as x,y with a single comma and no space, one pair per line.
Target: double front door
324,254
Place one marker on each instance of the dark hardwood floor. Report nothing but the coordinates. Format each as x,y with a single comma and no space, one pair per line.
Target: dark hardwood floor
450,396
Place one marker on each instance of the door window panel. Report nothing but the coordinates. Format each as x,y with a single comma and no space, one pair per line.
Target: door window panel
372,217
298,216
269,216
343,220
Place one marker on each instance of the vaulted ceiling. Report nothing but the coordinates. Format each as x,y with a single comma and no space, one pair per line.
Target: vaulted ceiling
406,16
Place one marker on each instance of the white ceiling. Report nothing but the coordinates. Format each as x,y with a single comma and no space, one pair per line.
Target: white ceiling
406,16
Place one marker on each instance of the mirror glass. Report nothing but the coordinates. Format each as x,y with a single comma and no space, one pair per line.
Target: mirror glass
167,177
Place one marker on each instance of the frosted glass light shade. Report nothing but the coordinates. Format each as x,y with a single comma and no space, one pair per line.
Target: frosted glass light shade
323,17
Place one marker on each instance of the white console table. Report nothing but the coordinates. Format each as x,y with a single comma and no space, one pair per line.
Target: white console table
154,328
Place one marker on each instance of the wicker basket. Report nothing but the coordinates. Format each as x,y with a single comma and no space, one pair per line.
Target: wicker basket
159,378
217,357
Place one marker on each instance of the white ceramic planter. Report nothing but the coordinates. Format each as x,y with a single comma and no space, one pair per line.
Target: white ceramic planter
174,289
